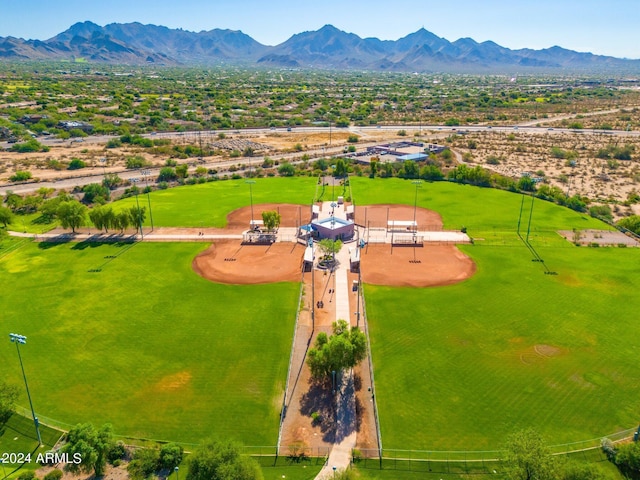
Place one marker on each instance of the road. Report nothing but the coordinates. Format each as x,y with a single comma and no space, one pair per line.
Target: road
363,132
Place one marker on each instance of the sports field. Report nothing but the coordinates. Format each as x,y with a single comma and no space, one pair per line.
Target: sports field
129,334
462,366
207,204
132,336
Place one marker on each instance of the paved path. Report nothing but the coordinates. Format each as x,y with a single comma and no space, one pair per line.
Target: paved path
346,422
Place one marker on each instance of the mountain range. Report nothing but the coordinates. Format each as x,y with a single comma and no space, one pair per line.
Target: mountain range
326,48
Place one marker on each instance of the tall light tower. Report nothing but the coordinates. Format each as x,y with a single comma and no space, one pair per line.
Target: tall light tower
145,174
135,181
417,183
251,182
18,340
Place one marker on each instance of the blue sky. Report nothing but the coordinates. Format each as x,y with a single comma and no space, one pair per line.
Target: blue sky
601,27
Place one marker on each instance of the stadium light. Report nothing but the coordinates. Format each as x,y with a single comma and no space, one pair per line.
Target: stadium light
250,182
145,174
18,340
135,180
417,183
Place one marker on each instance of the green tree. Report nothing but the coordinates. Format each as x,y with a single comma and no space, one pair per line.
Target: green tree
95,193
526,184
527,457
374,168
102,217
286,170
409,169
45,192
91,444
123,220
8,398
181,170
48,209
271,220
431,173
143,464
346,348
222,461
329,247
340,169
137,215
167,174
631,223
112,181
627,459
171,455
6,215
72,214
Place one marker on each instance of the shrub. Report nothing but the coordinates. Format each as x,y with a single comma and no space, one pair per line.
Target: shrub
29,475
55,164
402,133
116,452
20,176
136,162
353,139
167,174
30,146
76,164
114,143
54,475
171,456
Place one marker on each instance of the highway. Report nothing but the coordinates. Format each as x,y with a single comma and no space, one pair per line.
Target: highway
438,131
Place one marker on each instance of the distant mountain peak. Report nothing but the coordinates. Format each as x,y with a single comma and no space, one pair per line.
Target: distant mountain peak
327,47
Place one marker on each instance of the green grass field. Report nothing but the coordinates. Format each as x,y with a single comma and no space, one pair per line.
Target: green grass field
145,343
18,436
130,335
208,204
457,367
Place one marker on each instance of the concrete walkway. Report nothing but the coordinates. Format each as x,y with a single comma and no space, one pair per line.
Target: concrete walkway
346,422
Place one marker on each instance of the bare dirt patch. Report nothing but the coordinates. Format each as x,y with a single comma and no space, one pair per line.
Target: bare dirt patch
290,215
600,237
173,382
376,216
229,262
427,266
547,350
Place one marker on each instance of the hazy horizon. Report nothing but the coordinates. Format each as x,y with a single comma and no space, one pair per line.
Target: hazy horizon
583,26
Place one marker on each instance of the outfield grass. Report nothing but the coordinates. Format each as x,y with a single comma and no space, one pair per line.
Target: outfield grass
145,343
483,211
456,367
208,204
18,436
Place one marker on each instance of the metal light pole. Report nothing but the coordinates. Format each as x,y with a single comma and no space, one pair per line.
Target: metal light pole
417,183
145,174
135,181
177,470
21,339
333,184
251,182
